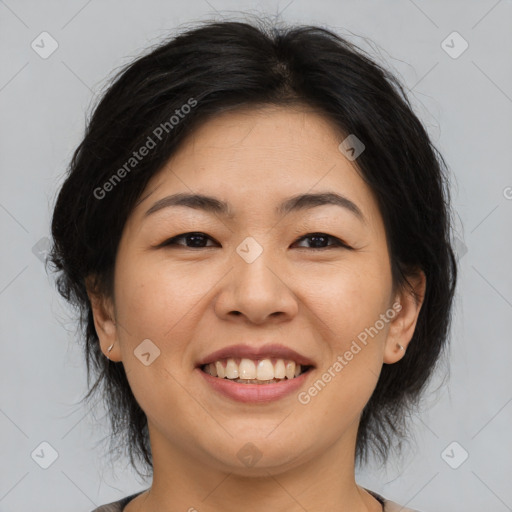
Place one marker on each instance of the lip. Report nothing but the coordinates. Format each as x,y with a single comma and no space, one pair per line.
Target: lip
263,352
254,393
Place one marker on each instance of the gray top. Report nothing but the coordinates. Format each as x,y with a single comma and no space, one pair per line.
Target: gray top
118,506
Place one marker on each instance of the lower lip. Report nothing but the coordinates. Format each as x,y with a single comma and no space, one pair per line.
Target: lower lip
255,393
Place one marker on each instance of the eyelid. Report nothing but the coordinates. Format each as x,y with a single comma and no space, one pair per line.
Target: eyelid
338,242
168,241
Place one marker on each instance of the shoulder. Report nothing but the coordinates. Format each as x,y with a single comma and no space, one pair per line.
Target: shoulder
390,506
117,506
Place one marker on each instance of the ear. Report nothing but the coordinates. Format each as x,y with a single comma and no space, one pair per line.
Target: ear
104,322
402,326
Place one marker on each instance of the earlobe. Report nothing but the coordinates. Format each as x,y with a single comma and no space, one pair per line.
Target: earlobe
402,327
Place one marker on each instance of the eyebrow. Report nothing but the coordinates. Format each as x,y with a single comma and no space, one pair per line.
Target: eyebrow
295,203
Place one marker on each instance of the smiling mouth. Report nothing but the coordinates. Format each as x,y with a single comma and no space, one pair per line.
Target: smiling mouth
255,371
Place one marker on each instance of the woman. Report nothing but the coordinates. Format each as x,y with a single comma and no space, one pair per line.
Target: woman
255,229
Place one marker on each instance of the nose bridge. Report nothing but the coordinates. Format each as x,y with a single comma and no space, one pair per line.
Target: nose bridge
258,285
256,264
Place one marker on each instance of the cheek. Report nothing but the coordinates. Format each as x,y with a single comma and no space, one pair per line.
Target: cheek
153,306
354,336
153,299
349,299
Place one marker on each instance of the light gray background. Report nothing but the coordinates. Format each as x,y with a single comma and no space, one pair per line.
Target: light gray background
466,104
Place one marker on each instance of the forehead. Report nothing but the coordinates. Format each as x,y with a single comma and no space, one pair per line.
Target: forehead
270,132
254,158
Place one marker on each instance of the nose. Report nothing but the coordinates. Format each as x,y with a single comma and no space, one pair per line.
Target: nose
257,292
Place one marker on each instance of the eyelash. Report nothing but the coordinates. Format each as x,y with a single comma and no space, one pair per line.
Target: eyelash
337,241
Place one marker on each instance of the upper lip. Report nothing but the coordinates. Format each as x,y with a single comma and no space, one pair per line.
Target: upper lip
261,352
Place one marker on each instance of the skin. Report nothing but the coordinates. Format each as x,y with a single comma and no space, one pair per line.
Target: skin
186,299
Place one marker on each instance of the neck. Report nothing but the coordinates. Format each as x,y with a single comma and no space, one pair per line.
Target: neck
184,482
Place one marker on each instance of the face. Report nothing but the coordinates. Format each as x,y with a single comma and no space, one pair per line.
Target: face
314,278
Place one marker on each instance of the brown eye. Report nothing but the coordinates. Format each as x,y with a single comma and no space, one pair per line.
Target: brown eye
196,240
319,241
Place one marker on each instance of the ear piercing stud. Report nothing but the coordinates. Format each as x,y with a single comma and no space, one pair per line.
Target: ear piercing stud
109,349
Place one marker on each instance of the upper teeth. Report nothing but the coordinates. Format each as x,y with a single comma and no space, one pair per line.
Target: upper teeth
247,369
